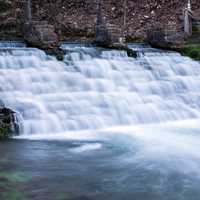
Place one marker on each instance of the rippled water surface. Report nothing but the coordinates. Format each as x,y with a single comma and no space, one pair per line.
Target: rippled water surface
120,163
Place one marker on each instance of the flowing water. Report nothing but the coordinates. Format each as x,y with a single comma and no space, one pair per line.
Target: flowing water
120,127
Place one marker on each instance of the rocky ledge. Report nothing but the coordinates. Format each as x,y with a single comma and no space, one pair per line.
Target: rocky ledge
8,123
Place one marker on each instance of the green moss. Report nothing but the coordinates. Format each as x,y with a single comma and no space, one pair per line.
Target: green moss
191,50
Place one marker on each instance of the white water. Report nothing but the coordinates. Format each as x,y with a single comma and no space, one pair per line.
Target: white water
86,147
9,44
97,89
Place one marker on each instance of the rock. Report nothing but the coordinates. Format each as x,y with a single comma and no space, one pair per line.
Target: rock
102,36
109,35
57,52
8,124
161,38
41,35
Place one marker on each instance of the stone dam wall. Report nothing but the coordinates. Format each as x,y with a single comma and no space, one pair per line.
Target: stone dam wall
75,20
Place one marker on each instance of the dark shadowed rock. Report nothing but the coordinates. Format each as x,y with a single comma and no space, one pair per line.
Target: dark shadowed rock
9,126
57,52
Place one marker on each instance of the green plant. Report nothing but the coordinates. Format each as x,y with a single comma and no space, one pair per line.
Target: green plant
191,50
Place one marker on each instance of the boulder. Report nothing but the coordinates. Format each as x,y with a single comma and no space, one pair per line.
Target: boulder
9,126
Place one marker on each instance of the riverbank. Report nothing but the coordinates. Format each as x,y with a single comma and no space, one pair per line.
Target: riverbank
191,50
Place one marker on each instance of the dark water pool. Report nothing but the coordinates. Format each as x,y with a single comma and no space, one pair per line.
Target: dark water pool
82,170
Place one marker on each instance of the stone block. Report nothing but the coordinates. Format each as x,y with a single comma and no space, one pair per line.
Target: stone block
41,35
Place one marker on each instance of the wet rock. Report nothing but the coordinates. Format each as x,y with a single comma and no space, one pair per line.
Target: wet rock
57,52
8,124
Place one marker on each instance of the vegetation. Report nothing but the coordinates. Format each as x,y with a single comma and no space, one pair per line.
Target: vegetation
191,50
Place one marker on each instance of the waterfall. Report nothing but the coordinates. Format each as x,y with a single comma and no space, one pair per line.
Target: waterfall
96,88
9,44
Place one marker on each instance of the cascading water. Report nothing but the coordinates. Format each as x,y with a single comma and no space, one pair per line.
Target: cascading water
96,88
9,44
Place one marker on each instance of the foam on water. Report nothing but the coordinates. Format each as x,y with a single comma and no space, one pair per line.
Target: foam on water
86,147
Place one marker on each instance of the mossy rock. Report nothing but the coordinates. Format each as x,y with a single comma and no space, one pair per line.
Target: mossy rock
5,130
